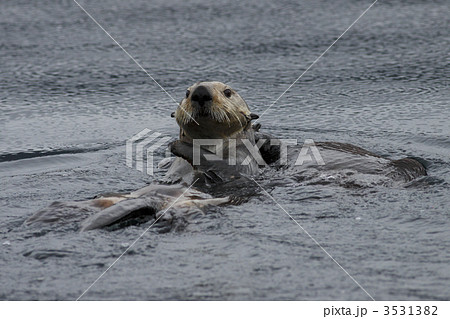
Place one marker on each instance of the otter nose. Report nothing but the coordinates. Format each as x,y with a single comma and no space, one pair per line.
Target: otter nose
201,95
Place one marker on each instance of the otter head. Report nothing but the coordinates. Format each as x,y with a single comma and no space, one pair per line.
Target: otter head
212,110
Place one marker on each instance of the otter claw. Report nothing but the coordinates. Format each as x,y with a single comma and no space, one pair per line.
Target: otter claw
256,127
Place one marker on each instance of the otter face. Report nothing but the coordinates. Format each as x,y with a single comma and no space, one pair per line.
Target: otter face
218,111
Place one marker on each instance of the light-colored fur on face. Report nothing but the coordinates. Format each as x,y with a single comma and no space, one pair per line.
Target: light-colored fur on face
220,118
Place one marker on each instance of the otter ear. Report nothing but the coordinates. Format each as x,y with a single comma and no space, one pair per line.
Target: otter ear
172,115
254,116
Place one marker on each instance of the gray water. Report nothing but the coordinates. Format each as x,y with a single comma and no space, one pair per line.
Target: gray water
70,97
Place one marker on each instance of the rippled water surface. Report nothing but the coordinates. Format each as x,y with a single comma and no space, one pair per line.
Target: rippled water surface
70,97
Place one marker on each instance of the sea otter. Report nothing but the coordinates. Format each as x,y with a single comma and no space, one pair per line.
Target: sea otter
219,150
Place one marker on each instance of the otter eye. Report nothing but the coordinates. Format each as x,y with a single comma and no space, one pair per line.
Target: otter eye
227,92
187,93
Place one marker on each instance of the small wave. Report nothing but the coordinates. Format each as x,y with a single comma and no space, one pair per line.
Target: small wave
9,157
42,254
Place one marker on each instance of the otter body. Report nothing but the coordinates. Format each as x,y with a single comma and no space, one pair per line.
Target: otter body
220,151
352,166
